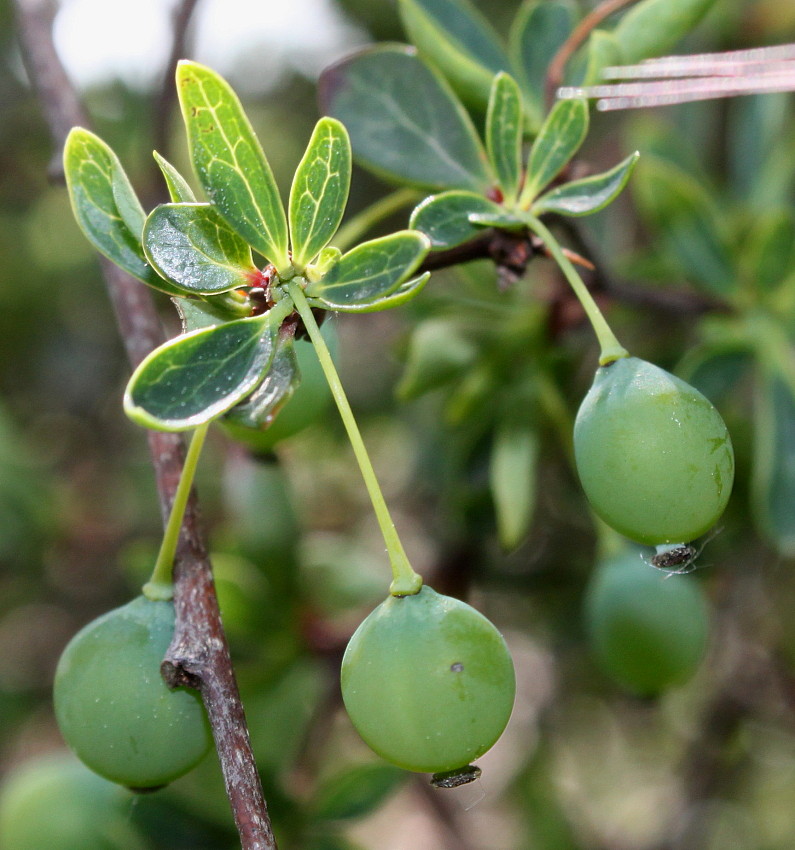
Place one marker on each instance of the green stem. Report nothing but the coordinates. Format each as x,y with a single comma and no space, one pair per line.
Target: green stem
160,585
405,581
353,230
611,347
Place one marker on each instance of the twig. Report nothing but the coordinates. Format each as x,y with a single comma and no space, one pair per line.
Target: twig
199,654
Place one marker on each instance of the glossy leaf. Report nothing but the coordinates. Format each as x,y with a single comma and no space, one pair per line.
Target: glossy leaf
230,163
538,31
371,270
105,205
195,314
356,791
514,456
396,298
458,40
589,195
773,479
444,218
194,248
260,408
179,190
653,27
687,223
405,123
198,376
320,190
504,134
558,140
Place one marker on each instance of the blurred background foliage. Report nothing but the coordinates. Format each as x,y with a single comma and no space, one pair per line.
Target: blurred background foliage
696,273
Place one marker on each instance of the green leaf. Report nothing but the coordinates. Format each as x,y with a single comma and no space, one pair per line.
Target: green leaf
715,368
230,163
686,222
559,138
602,51
504,134
515,222
458,40
768,254
396,298
105,205
195,314
444,218
356,791
653,27
514,456
538,31
260,408
438,353
773,478
198,376
320,191
405,123
194,248
370,271
589,195
179,190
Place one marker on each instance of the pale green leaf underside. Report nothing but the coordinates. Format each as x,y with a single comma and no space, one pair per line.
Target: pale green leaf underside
504,134
319,191
230,162
444,218
194,248
589,195
395,297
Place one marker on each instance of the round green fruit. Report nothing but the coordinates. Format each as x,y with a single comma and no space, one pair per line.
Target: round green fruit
113,707
647,629
653,455
55,803
428,682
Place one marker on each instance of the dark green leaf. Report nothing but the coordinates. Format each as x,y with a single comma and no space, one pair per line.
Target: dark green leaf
444,218
504,134
653,27
230,163
687,223
97,187
505,220
438,353
715,369
455,37
558,140
405,123
589,195
396,298
514,455
179,190
538,31
768,255
195,314
194,248
196,377
773,480
371,270
356,792
320,191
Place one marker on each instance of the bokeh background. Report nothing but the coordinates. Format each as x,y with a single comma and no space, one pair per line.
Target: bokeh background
585,764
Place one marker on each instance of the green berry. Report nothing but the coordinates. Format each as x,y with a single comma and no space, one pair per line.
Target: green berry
647,629
428,682
113,707
653,455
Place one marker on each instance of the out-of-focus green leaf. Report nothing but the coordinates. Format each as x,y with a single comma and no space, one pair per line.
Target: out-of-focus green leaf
370,271
195,249
715,369
538,31
230,163
768,254
438,352
106,207
356,791
260,408
405,123
514,456
558,140
320,190
589,195
196,377
653,27
504,134
444,218
773,477
602,51
514,222
179,190
684,217
457,39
